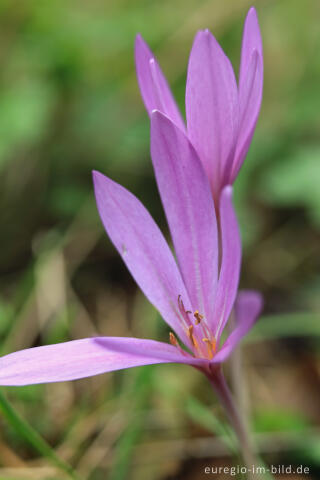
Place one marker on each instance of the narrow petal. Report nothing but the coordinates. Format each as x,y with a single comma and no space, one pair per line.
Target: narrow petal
250,87
189,207
247,309
84,358
211,106
251,41
154,88
230,263
143,249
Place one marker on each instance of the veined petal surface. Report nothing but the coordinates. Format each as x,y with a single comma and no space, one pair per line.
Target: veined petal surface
230,263
189,207
250,87
211,106
247,309
143,249
84,358
154,88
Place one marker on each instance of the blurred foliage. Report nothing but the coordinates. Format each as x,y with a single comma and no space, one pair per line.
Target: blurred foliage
294,182
69,103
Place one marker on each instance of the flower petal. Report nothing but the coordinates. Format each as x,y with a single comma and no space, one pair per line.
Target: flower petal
154,88
211,106
189,207
250,87
251,41
230,262
247,308
143,249
84,358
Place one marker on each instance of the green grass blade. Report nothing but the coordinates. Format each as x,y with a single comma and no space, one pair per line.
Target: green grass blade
139,394
285,325
33,438
205,417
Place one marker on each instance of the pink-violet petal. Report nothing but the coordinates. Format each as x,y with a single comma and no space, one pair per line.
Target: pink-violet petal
154,88
250,87
143,249
188,203
230,263
251,40
211,107
247,309
85,358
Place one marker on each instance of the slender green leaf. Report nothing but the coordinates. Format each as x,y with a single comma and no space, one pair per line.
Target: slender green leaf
33,438
139,394
285,325
205,417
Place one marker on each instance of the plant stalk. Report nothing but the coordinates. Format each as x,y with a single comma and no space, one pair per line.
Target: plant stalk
222,390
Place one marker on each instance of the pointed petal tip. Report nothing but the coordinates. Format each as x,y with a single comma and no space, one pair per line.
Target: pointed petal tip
153,85
202,34
252,23
101,183
155,116
252,16
97,177
141,48
139,40
158,116
252,11
155,120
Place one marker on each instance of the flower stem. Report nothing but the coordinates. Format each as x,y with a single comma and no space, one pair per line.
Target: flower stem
221,388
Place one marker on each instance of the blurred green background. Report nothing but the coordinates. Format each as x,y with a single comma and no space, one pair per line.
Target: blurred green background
69,103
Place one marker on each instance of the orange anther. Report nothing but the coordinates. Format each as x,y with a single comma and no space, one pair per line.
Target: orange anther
198,317
173,339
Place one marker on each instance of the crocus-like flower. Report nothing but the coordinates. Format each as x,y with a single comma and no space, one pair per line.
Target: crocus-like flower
194,295
221,115
197,292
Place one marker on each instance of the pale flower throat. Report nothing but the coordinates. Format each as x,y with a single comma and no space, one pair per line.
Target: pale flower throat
202,341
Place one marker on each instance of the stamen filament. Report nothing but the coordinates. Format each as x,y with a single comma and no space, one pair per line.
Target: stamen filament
192,337
211,345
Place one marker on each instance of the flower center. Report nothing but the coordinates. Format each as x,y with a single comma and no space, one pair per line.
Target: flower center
202,341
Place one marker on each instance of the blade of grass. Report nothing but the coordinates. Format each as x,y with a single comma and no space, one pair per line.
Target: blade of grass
139,395
33,438
285,325
204,416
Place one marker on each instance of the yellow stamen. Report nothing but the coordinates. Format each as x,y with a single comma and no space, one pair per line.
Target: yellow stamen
191,336
211,345
173,339
198,317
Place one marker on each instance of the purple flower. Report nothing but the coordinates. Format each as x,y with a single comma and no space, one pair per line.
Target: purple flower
194,295
221,116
